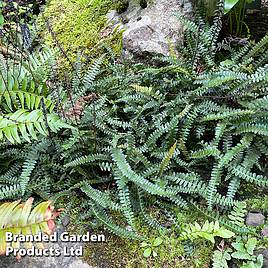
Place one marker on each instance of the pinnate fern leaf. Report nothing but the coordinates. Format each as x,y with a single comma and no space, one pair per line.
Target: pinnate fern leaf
26,125
208,231
19,218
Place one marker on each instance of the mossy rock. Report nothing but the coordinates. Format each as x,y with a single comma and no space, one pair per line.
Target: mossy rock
79,26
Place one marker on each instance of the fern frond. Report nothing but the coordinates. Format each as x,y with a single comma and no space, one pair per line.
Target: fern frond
208,231
245,174
86,159
114,228
127,172
18,219
238,214
28,124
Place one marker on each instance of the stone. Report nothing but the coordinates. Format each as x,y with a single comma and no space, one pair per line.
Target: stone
43,262
112,17
151,30
79,264
255,219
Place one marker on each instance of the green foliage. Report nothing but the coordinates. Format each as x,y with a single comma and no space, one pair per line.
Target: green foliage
194,129
150,248
121,6
28,123
236,10
259,203
220,258
28,114
2,19
229,4
191,131
77,26
235,13
237,216
27,108
242,253
245,251
208,231
20,219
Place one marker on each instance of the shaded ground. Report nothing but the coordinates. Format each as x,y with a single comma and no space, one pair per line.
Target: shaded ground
257,21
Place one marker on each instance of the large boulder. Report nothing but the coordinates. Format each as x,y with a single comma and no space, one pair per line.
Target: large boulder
154,29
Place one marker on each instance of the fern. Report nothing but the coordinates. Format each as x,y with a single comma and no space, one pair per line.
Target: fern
86,159
208,231
237,216
220,258
27,169
245,174
99,197
124,196
19,219
26,125
152,222
126,171
10,191
167,159
114,228
191,128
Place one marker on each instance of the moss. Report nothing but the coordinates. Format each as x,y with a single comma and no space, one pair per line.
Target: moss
260,203
79,25
119,252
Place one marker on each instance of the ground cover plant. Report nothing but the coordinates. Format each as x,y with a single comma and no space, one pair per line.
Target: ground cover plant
87,22
124,139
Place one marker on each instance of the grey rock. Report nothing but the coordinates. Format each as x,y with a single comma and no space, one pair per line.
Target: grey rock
79,264
152,30
255,219
112,17
44,262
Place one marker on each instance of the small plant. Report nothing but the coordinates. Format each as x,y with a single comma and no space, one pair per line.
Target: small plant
244,250
208,231
150,248
238,214
220,258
